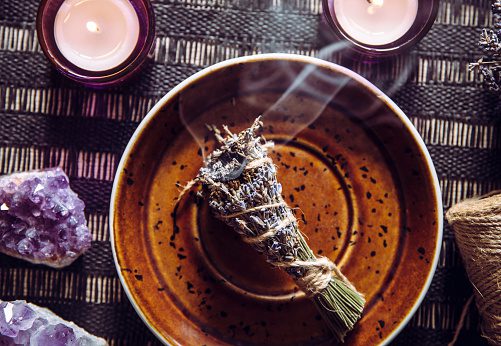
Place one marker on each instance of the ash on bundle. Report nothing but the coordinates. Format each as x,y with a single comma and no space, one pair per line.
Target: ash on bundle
490,65
240,182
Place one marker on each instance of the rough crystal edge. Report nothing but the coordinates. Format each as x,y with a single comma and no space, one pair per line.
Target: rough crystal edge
53,319
59,264
19,177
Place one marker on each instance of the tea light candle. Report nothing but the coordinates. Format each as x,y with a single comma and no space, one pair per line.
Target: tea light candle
376,22
96,35
380,27
98,43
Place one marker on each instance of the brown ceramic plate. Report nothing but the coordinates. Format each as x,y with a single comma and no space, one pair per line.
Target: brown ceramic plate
351,163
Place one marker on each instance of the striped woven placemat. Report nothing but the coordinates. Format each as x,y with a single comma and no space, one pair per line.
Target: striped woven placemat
46,121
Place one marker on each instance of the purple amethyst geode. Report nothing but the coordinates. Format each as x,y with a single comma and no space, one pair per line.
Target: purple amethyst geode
26,324
41,219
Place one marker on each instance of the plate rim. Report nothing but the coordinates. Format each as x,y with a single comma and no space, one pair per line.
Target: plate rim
294,58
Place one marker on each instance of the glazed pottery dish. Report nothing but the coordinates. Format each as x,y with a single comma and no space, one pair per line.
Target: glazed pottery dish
353,168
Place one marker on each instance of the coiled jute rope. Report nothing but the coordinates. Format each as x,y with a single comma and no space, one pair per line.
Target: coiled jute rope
477,228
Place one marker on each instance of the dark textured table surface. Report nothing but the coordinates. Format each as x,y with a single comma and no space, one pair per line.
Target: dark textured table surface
47,121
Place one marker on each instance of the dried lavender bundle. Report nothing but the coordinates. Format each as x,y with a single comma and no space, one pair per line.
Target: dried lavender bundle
240,182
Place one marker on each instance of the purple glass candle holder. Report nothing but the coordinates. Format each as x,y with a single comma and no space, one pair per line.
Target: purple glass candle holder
46,17
426,14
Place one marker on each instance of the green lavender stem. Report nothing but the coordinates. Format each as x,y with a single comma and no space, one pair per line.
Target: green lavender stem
339,305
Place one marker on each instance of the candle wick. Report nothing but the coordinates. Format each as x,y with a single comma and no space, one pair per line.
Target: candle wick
92,26
377,3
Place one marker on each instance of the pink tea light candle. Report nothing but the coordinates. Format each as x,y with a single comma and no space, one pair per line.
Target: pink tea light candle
96,35
96,42
380,27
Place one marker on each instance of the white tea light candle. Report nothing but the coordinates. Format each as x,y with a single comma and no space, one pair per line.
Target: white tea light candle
376,22
96,35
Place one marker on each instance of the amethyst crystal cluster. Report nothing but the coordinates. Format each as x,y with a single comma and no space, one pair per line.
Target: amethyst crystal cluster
22,323
41,219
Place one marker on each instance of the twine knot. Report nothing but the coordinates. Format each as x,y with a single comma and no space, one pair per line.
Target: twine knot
317,275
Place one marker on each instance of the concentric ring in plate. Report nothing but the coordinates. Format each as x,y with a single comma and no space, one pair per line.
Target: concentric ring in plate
352,165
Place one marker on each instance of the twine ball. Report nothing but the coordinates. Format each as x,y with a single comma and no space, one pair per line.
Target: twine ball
477,228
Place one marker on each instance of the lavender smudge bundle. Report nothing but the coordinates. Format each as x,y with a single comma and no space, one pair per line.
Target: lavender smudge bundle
240,181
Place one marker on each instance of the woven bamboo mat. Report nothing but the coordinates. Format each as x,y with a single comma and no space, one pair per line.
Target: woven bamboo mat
47,121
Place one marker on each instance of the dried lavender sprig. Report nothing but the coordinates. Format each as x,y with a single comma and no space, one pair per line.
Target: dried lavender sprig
240,182
496,16
490,65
